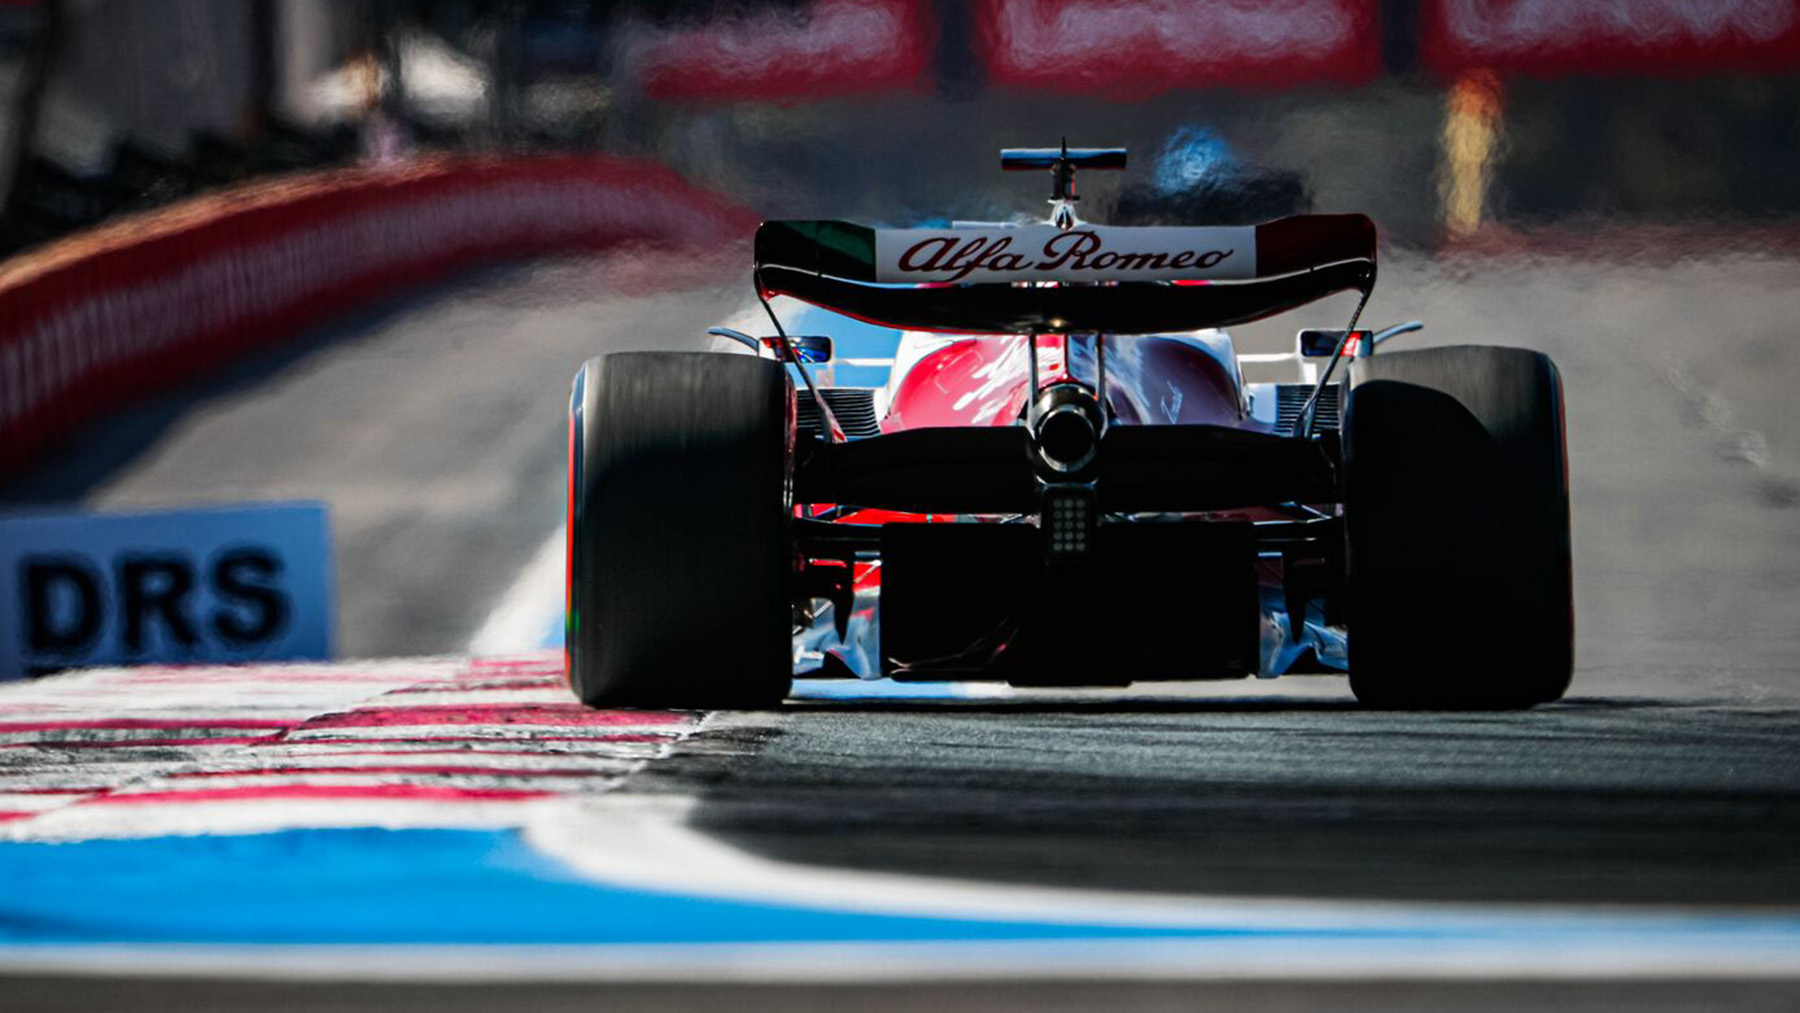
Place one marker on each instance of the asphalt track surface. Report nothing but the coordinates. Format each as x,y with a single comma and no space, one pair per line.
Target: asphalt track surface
1670,778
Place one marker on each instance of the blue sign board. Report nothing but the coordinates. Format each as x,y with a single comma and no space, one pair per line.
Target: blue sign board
241,583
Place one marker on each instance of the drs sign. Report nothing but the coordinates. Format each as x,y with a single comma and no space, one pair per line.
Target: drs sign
217,585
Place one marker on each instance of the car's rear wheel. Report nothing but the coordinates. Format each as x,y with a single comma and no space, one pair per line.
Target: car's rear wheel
679,548
1457,513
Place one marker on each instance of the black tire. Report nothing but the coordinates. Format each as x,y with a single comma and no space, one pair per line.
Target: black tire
679,545
1457,518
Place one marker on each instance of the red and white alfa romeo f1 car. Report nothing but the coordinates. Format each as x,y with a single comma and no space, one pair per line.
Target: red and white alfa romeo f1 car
1066,480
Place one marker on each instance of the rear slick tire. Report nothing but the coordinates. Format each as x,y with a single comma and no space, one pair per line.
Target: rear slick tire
1457,519
679,567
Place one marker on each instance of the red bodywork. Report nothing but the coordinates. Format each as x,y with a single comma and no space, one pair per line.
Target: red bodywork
984,380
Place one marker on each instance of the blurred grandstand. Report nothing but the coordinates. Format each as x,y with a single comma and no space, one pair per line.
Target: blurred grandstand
1443,118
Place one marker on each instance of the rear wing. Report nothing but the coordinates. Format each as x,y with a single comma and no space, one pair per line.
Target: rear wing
1112,280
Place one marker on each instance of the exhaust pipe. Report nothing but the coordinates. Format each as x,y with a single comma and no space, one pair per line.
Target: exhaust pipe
1067,430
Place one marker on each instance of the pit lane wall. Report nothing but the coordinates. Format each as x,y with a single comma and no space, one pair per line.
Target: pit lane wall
167,297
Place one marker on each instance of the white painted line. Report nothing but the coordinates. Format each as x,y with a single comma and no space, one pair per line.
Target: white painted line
645,843
527,608
223,817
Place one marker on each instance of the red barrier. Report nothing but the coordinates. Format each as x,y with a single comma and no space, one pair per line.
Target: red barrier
1133,50
162,298
1652,37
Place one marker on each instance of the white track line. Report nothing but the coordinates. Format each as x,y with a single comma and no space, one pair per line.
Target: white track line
646,842
528,607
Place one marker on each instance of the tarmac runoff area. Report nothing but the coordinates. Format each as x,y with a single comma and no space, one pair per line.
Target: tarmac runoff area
388,835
